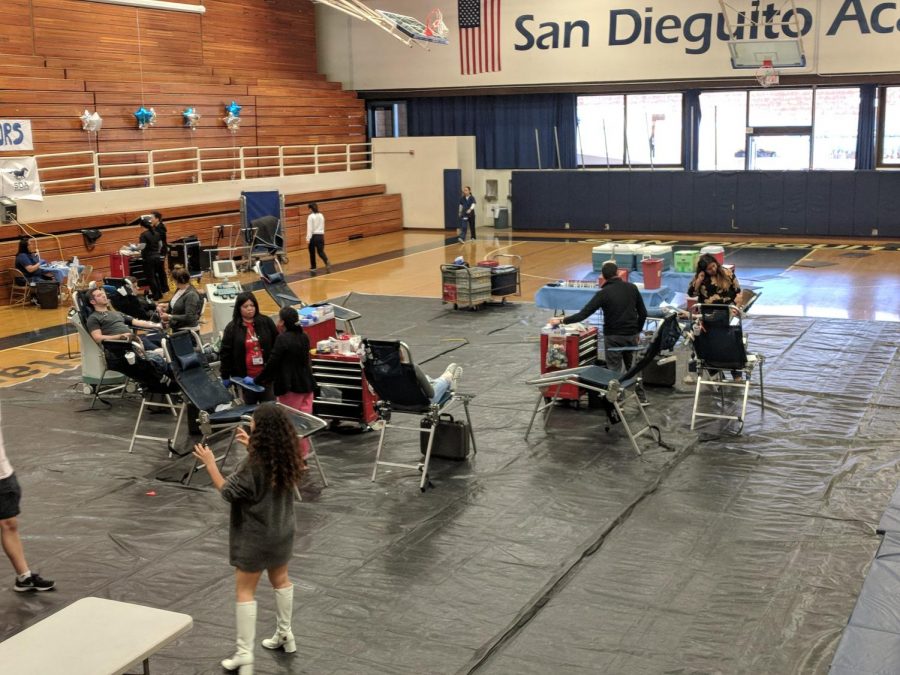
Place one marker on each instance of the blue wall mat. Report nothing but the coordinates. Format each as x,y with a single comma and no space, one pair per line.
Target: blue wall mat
682,202
452,193
816,203
865,212
795,191
888,206
639,215
843,203
748,206
661,204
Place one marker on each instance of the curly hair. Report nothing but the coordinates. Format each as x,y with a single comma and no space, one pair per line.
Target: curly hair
274,445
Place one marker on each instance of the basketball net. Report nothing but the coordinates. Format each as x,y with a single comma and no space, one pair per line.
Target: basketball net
434,24
766,75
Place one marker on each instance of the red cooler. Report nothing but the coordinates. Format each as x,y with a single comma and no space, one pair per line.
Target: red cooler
652,269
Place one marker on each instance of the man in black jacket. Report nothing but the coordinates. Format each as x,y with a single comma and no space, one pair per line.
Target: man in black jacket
624,315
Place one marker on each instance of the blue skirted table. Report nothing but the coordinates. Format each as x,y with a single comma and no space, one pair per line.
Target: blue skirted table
561,298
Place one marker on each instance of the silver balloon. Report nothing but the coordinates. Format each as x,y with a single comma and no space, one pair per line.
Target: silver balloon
91,122
233,122
191,118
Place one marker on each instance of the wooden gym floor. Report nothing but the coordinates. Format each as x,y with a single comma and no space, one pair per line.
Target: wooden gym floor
862,286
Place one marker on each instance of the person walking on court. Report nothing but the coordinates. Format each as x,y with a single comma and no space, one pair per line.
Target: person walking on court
10,496
261,535
315,237
466,214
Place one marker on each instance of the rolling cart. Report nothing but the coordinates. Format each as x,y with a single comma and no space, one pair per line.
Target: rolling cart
505,275
465,287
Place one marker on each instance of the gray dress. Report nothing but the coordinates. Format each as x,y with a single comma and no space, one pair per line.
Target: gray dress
262,520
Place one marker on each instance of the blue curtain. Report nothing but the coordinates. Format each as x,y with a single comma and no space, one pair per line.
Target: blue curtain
503,126
865,132
690,125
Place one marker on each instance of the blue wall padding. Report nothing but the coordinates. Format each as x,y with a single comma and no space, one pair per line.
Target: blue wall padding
813,203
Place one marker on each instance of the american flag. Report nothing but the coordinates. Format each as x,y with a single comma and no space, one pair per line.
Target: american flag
479,36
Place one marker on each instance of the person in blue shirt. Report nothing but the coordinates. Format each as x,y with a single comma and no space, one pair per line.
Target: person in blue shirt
466,214
29,262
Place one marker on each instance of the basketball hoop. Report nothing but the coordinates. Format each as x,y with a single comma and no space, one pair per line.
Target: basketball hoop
766,75
434,24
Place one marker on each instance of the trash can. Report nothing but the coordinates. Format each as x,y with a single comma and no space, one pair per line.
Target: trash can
652,269
501,221
47,294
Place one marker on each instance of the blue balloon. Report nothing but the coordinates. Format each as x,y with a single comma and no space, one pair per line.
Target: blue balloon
143,116
233,109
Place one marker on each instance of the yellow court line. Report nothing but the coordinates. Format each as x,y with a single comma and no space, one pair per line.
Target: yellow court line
43,351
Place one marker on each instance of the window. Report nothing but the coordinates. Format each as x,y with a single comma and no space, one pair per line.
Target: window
654,128
890,147
723,130
632,130
835,128
601,130
780,108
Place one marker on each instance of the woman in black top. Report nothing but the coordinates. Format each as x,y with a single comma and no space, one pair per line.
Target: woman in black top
714,284
261,535
151,257
247,344
160,269
289,367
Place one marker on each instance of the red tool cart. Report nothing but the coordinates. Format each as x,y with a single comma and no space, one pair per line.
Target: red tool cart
567,350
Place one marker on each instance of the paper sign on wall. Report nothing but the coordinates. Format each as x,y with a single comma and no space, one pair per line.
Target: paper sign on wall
19,179
15,136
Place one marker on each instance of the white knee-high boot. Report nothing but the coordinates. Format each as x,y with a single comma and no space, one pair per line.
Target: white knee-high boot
284,610
245,619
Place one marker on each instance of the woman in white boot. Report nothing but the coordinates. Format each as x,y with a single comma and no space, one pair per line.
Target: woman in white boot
261,537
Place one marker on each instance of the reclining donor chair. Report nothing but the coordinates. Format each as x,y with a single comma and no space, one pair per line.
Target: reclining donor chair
613,389
219,413
272,276
390,371
720,344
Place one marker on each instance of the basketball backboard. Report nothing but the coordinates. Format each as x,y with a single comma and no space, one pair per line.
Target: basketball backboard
746,23
408,30
785,53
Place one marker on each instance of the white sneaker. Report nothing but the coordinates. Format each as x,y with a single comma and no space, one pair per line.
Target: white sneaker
448,372
454,377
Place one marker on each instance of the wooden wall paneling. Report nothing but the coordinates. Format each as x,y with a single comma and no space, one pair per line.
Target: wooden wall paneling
116,33
14,39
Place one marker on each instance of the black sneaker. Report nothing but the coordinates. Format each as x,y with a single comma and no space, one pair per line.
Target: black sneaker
642,398
34,583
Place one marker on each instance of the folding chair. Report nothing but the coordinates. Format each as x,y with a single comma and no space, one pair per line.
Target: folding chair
272,276
612,389
390,371
219,412
719,344
306,426
21,289
150,383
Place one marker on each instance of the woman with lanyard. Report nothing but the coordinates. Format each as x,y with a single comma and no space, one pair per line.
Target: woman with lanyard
246,345
289,367
466,213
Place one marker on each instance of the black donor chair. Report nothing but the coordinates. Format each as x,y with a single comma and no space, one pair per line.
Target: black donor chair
720,344
611,388
390,371
218,412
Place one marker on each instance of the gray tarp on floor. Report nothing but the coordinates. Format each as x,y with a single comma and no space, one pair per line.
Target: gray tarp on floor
567,553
